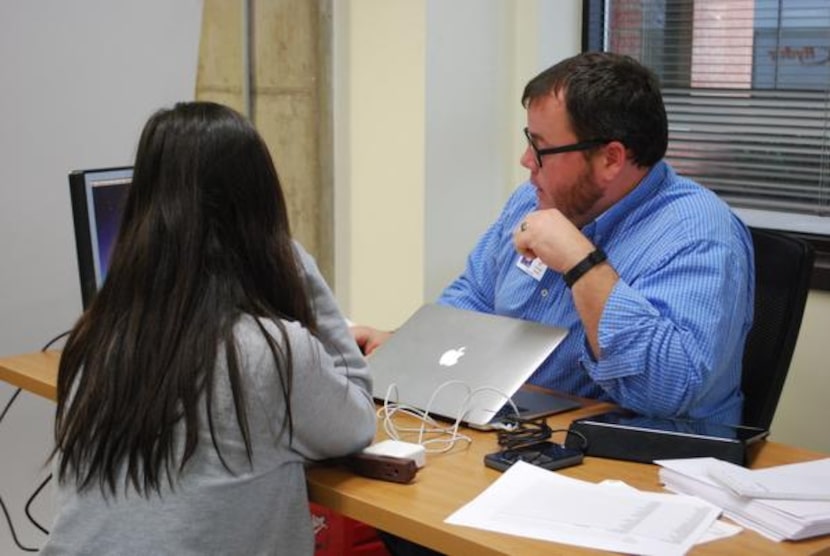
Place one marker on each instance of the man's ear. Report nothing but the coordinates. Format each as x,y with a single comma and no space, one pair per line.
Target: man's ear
612,160
616,155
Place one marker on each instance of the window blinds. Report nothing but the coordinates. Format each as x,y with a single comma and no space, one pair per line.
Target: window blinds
747,90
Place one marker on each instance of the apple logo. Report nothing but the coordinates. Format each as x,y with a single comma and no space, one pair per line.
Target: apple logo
451,357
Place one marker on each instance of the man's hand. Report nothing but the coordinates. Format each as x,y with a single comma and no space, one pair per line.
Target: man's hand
369,339
549,235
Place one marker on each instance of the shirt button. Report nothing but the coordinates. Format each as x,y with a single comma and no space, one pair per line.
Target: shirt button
544,292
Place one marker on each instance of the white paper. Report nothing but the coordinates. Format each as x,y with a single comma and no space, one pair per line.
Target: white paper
774,518
800,481
532,502
697,468
720,529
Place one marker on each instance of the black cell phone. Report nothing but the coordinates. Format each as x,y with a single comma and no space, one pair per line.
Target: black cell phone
547,455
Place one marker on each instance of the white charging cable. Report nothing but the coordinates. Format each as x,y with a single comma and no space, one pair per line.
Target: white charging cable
430,433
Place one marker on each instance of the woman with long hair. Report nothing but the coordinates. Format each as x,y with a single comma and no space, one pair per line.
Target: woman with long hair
212,365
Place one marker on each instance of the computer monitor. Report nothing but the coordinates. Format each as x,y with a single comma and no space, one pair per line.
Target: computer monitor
98,198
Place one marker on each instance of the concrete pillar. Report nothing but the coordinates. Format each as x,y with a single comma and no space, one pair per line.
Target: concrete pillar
290,98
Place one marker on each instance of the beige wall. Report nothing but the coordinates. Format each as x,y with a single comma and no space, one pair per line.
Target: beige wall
379,155
382,198
379,69
804,409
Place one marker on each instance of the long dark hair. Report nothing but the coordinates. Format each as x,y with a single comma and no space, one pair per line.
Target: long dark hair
204,240
612,96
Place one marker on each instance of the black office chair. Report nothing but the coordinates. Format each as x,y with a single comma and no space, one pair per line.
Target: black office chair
783,265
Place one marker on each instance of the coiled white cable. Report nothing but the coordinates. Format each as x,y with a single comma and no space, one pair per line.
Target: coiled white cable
430,433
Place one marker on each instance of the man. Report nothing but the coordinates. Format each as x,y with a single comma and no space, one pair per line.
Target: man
652,273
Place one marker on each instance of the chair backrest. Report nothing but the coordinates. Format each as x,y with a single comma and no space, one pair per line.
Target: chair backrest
783,265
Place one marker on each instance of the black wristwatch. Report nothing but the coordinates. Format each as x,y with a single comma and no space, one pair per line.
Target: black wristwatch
596,257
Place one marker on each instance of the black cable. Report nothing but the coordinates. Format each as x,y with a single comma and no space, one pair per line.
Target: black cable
2,504
49,477
524,432
32,499
11,528
9,404
42,485
55,339
583,440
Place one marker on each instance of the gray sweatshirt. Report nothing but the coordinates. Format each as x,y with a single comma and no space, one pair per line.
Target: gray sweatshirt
262,508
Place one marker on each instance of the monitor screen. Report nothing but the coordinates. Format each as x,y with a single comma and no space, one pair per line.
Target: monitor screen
98,198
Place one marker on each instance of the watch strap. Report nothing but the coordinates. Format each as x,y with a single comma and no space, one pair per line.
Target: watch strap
593,259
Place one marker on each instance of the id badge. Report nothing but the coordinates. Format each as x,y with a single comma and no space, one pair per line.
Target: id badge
534,268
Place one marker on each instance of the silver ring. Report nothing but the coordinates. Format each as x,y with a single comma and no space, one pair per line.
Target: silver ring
523,226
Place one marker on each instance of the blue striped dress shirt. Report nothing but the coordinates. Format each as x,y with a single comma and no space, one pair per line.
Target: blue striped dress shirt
673,330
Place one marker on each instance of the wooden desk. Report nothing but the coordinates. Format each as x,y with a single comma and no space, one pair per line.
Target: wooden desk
417,510
36,372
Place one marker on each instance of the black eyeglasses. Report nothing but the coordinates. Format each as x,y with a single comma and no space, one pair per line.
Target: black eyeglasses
581,146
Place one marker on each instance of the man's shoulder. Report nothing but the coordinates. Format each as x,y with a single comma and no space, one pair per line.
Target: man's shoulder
688,189
684,212
687,199
523,199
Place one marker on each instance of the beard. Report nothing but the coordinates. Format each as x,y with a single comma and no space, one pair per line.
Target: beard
577,199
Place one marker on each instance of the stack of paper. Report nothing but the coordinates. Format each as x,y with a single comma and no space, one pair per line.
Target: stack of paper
789,502
532,502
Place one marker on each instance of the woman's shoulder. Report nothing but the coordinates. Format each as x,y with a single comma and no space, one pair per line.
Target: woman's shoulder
251,338
250,331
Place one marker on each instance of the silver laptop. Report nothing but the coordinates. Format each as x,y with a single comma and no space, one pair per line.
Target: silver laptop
463,364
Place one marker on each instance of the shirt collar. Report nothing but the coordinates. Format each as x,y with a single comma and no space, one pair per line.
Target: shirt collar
603,224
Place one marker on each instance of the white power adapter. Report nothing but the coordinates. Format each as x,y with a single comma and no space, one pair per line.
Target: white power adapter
398,449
